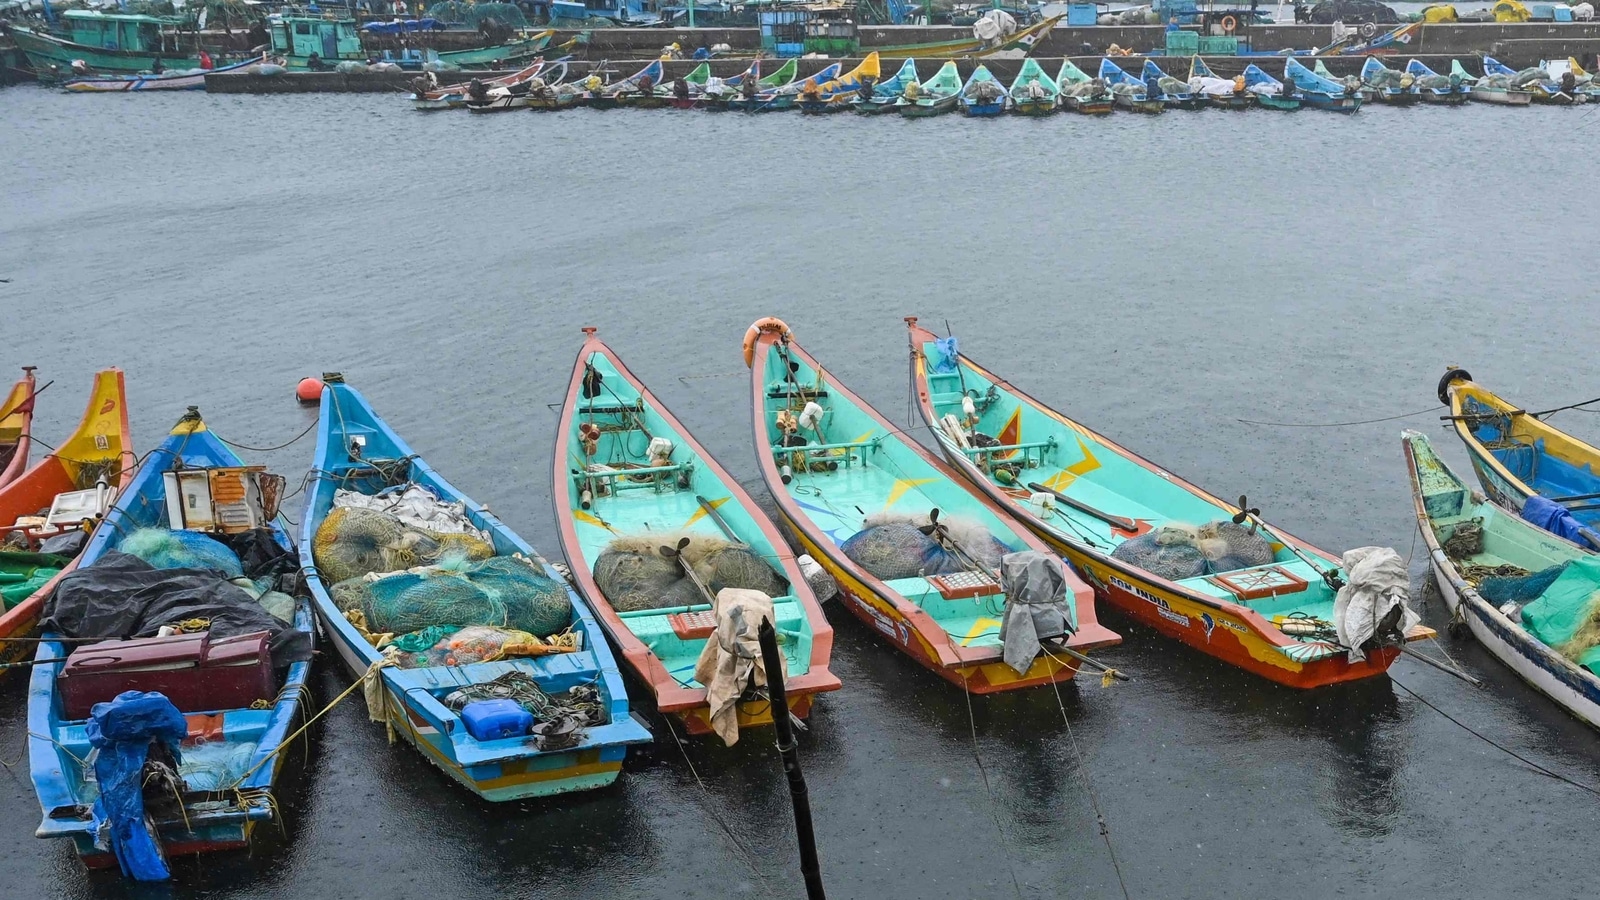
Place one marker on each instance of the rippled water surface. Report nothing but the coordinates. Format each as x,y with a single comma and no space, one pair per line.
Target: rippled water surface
1160,278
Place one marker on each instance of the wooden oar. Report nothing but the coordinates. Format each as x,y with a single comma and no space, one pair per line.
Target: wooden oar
716,518
1121,522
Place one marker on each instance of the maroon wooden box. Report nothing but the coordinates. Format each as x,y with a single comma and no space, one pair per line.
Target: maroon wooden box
195,671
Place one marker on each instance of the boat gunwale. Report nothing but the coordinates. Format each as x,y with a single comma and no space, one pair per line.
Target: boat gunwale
671,695
23,447
1459,387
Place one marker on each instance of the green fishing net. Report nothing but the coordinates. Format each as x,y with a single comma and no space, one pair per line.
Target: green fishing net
505,591
352,542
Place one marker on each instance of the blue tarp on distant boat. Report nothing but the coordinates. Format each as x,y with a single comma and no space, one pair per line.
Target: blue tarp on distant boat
397,26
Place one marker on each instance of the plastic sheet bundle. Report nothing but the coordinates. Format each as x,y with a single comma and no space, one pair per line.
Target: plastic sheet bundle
352,542
505,591
1175,552
181,550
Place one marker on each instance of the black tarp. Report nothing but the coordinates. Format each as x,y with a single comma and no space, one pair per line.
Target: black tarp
122,596
1353,12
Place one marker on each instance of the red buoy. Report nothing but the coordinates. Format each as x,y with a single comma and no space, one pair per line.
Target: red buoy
309,390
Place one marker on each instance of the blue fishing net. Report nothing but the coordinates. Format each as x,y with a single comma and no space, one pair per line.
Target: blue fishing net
1498,589
181,550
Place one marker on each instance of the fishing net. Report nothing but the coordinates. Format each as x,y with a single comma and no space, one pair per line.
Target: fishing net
1433,82
506,591
1170,85
456,12
985,92
1498,589
352,542
633,580
1084,89
561,717
181,550
1179,551
1525,77
1129,90
1465,540
1495,82
633,574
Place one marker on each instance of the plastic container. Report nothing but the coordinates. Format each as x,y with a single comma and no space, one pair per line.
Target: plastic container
1080,15
1182,43
492,720
1218,45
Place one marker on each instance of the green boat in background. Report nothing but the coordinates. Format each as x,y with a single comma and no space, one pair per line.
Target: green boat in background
112,43
1034,93
934,97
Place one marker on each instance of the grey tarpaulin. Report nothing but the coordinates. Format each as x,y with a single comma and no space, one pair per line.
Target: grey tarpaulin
1376,582
1036,605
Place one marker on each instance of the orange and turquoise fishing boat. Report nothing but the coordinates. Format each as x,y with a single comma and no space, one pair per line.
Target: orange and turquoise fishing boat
16,428
1089,497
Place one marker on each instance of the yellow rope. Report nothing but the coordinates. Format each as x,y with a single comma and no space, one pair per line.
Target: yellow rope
371,670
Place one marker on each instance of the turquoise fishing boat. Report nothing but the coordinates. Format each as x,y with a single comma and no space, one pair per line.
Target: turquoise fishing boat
1525,594
1218,92
358,452
913,550
1081,93
1319,92
1127,91
629,481
687,94
885,94
1495,89
1267,91
1208,573
1449,90
108,44
1172,93
1382,84
231,759
785,96
934,97
1034,93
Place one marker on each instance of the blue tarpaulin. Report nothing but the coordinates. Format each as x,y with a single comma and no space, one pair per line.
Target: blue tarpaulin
948,351
122,731
1554,518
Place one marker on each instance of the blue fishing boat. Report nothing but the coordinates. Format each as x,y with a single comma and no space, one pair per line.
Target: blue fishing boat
230,759
1451,90
1544,88
638,89
1127,91
1172,93
822,97
786,96
1315,90
1386,85
885,93
983,94
1267,90
359,454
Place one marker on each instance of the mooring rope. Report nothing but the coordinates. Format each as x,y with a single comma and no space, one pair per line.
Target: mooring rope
1341,424
266,449
711,809
1088,787
994,812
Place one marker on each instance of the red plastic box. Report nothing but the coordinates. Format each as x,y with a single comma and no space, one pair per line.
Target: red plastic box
195,671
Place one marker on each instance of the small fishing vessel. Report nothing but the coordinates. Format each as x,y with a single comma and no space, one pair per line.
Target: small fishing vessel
1127,91
518,96
428,97
186,80
1518,455
1208,573
631,480
1383,84
1034,93
1450,90
74,486
867,502
786,96
1081,93
1491,88
1023,39
934,97
1226,93
1319,92
685,92
836,95
1583,90
1266,90
1535,80
1172,93
885,94
358,453
559,93
16,428
638,89
231,757
1524,593
983,95
743,91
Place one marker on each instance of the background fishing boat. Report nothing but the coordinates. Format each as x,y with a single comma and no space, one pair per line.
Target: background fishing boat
850,485
685,92
1583,89
983,95
357,451
637,89
75,485
1535,80
1226,93
452,96
1127,91
1081,93
1449,90
190,80
231,757
1491,88
1022,39
1314,90
1172,93
619,503
934,97
1523,592
1383,84
1192,566
787,95
738,95
1034,93
16,427
836,94
1266,90
885,94
113,43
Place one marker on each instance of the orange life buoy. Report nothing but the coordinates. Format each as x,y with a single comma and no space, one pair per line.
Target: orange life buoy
771,324
1229,23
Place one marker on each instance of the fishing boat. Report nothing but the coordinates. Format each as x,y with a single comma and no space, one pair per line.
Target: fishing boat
845,479
1518,455
1206,572
787,95
1172,93
886,94
1022,39
188,80
934,97
1450,90
1583,89
1490,88
1080,93
1034,93
836,95
109,43
615,503
1536,81
544,86
74,485
231,758
738,92
1319,92
1127,91
1382,84
1541,585
1266,90
1226,93
16,428
685,93
638,89
495,56
559,93
357,451
453,96
983,95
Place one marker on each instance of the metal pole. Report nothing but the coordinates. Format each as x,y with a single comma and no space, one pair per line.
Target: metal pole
810,867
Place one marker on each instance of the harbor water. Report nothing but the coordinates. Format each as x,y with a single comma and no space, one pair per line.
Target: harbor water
1167,279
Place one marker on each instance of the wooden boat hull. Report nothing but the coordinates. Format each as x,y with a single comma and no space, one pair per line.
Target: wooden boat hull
1190,103
1088,107
1280,103
875,107
684,102
983,110
498,104
1395,97
642,101
927,109
824,107
1445,98
1034,107
1501,98
16,429
1330,103
49,54
1131,104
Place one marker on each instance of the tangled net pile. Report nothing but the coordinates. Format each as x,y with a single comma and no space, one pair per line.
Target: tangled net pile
895,546
1086,89
181,550
505,591
1179,551
353,542
561,717
1170,85
633,574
